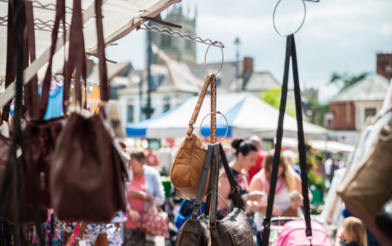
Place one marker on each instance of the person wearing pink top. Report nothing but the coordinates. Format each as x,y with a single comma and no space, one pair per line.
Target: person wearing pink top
146,190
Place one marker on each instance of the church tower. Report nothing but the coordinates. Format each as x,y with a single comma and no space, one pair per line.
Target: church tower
177,48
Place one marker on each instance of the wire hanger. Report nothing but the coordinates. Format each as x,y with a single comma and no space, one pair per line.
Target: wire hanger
177,34
303,20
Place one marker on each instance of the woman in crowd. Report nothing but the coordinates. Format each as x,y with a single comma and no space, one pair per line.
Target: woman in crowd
146,190
245,158
288,191
353,232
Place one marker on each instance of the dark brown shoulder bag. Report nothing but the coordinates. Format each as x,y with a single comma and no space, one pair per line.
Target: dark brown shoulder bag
234,229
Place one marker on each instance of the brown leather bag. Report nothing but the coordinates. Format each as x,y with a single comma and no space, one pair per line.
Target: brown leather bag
188,163
39,136
369,187
194,232
88,173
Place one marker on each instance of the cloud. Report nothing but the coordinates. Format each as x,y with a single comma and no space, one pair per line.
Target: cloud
337,36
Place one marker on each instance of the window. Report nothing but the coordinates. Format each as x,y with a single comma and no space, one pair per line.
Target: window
166,104
130,112
370,112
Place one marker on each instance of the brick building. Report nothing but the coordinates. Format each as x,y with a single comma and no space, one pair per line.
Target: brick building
351,107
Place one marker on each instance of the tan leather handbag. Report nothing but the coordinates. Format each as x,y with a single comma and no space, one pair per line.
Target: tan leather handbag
369,187
188,163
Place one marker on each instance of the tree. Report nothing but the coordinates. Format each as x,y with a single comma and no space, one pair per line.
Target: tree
344,80
272,97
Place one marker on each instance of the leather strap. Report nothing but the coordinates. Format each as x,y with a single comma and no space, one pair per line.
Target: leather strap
214,186
290,52
213,109
215,235
10,71
60,5
233,184
31,89
76,57
103,78
203,180
202,94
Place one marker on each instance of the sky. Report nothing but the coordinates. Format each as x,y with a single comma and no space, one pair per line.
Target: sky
340,36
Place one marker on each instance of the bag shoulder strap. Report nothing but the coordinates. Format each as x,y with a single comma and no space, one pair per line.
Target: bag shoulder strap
290,53
199,103
203,180
233,184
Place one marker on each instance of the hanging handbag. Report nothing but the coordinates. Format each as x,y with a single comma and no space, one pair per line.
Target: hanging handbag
234,229
194,232
155,222
188,162
13,172
40,135
290,53
364,197
88,174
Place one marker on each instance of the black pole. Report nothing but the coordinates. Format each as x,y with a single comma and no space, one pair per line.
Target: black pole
148,110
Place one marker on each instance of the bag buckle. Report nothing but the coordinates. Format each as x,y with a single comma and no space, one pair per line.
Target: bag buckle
197,203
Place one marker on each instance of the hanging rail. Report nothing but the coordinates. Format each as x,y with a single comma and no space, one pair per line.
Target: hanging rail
185,36
39,24
49,6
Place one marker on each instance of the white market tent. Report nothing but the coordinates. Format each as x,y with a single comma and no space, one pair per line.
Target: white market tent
120,18
246,114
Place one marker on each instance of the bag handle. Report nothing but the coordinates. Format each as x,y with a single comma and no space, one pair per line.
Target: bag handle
60,4
10,70
103,78
31,89
203,180
199,103
76,57
290,52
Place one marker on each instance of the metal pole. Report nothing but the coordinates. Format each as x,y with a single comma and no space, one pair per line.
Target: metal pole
149,57
237,65
148,110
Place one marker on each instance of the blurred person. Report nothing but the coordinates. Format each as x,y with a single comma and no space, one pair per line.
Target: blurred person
151,157
261,154
146,190
290,156
330,166
353,232
288,191
165,159
245,158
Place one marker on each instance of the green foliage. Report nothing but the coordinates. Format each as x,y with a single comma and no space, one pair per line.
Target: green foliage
272,97
318,111
344,80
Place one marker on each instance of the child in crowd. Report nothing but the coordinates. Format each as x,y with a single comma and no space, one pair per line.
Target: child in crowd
353,232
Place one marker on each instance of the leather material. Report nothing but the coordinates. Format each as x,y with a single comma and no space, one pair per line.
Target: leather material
362,195
194,232
88,172
187,167
234,229
40,135
290,54
7,187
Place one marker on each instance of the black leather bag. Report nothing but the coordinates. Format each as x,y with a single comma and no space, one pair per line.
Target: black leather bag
234,229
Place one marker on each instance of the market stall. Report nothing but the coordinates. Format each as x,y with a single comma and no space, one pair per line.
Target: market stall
245,113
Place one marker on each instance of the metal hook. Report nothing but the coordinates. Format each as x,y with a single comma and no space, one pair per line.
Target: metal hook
223,56
201,125
299,28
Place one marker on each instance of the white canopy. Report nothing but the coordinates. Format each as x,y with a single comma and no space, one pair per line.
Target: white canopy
120,18
246,114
